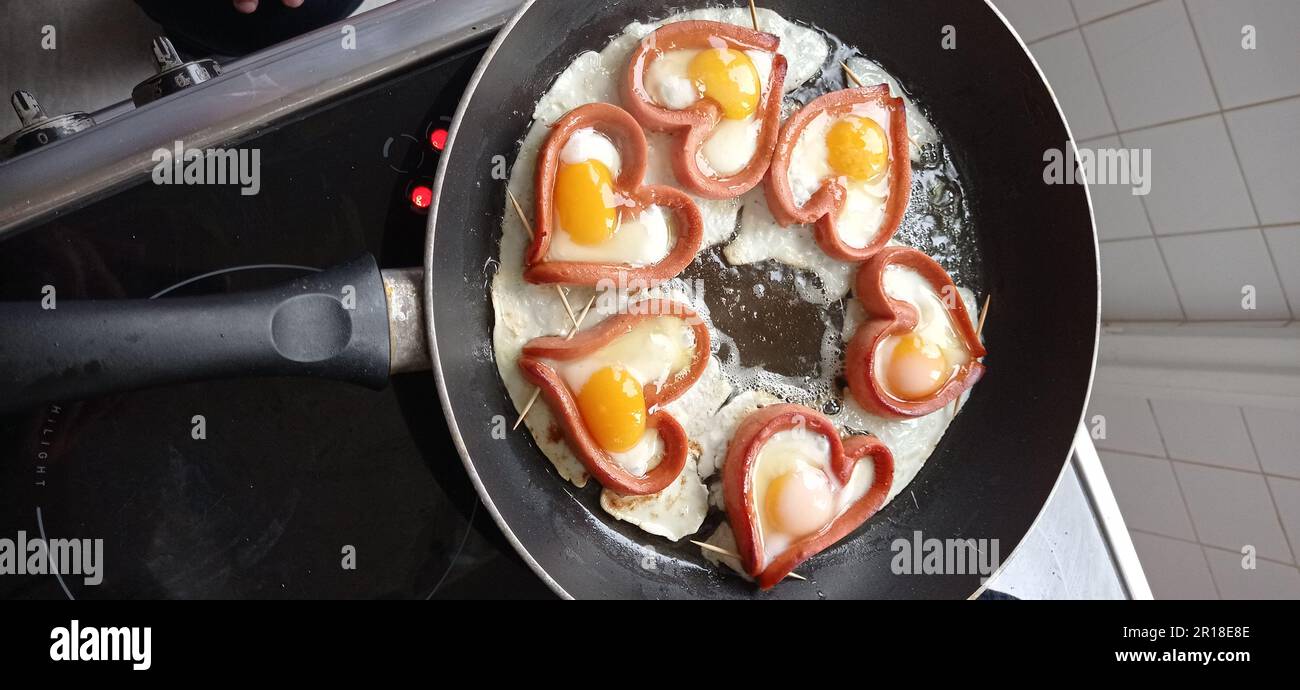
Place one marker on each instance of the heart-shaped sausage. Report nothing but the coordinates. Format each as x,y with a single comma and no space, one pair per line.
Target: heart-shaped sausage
693,125
887,316
739,491
536,368
617,125
824,206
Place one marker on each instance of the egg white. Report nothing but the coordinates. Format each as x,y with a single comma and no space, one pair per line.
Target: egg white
761,238
727,392
654,351
783,452
858,221
733,142
933,323
919,130
524,311
642,238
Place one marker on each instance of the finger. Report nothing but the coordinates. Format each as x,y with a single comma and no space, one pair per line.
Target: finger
245,6
292,3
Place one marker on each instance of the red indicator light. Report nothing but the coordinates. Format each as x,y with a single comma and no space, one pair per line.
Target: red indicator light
421,196
438,139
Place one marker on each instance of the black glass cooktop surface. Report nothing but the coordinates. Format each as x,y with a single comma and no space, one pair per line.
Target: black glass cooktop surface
298,488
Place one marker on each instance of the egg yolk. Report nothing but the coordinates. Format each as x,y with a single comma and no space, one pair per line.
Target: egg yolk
800,501
916,368
858,148
585,203
729,78
613,407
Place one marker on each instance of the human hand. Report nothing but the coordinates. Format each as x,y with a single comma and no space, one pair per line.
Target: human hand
250,6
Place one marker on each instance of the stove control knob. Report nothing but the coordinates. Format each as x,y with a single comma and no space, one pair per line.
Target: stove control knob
39,129
173,75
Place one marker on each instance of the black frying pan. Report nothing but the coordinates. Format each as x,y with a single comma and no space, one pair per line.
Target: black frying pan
989,476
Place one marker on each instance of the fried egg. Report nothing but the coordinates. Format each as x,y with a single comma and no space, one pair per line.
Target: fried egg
673,513
523,311
851,148
734,79
915,365
595,223
761,238
728,390
595,76
920,132
609,387
795,493
910,440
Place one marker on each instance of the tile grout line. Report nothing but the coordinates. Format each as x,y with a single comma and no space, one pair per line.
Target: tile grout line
1182,496
1268,246
1224,549
1198,116
1090,22
1105,99
1195,463
1277,512
1236,156
1160,433
1155,239
1190,542
1192,233
1241,169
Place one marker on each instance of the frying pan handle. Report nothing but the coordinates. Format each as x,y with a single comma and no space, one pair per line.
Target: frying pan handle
332,324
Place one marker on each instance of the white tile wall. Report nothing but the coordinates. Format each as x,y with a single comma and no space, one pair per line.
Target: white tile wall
1090,10
1276,434
1118,210
1195,182
1286,493
1130,428
1233,509
1148,494
1204,432
1198,480
1223,125
1284,245
1135,284
1268,140
1211,273
1035,19
1244,76
1266,581
1064,60
1175,569
1149,65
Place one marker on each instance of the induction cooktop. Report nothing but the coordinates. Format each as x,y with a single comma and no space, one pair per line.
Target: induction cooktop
258,488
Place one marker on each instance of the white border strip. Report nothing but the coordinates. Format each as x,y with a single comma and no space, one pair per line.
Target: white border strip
1113,529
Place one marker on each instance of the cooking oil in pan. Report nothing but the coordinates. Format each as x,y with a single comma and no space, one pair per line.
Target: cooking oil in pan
770,334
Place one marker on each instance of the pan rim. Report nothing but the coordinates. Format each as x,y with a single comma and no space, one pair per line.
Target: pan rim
1096,326
448,411
430,320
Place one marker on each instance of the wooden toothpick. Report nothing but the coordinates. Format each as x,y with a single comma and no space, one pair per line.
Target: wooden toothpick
851,74
719,550
984,312
979,330
753,14
568,308
577,323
